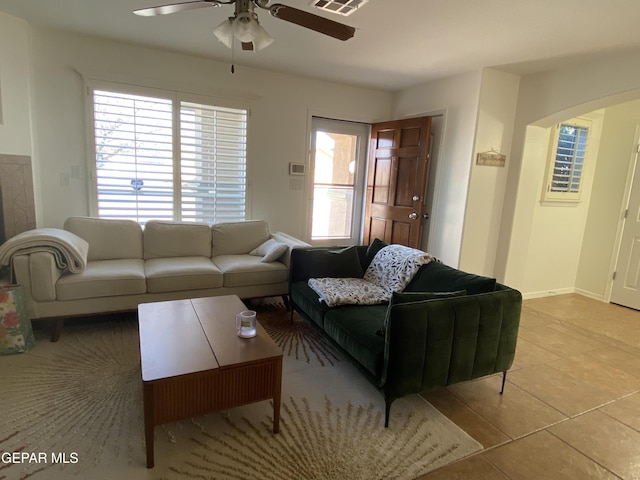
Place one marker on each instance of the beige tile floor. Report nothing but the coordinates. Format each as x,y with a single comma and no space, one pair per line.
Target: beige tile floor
571,406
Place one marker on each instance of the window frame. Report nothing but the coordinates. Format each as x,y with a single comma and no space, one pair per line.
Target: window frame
558,197
177,98
319,123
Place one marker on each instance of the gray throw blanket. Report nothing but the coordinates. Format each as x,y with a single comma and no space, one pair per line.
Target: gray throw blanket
69,250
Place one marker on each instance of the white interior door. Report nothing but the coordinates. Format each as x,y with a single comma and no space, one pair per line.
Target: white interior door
626,284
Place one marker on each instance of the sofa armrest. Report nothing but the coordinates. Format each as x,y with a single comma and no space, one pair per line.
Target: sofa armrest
38,274
292,242
435,343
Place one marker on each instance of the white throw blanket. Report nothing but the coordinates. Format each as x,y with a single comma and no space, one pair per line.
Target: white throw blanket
391,270
69,250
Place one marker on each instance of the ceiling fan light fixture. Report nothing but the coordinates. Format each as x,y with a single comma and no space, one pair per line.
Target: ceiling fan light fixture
245,28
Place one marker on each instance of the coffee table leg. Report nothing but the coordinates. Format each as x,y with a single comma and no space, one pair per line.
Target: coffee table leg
148,422
277,396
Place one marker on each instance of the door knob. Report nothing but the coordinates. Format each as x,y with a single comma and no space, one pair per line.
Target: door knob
413,216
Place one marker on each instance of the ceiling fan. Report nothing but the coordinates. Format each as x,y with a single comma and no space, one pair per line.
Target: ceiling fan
244,25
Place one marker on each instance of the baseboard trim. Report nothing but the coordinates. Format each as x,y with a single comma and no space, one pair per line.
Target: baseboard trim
548,293
564,291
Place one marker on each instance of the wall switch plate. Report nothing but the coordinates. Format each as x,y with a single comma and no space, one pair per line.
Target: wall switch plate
296,168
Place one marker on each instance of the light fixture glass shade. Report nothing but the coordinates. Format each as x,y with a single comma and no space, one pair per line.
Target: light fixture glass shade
263,39
246,28
224,33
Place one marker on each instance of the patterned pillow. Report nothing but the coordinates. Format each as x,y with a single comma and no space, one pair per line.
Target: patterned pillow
410,297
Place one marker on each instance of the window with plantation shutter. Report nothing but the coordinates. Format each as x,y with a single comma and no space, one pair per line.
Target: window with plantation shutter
566,160
161,157
213,166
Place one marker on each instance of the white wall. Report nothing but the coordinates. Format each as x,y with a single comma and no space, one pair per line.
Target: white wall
456,98
496,114
616,155
278,126
526,255
15,125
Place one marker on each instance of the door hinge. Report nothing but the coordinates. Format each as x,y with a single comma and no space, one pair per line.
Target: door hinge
614,275
626,214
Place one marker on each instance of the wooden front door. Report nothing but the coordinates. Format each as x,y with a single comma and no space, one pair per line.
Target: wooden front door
396,182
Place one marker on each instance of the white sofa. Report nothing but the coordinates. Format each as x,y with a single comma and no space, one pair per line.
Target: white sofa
127,264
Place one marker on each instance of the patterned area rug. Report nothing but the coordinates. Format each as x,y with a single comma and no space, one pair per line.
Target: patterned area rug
73,409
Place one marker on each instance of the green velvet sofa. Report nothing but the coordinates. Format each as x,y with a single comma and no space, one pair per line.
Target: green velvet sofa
447,326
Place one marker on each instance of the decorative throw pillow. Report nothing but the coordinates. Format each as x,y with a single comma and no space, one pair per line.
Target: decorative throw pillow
440,277
373,248
270,250
334,263
410,297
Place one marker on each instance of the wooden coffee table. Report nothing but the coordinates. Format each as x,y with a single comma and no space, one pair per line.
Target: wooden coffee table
194,363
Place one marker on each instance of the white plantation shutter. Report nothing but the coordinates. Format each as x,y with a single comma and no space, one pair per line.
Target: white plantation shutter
569,161
137,175
134,166
567,154
213,162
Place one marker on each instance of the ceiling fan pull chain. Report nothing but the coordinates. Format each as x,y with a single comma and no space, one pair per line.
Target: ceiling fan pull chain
233,56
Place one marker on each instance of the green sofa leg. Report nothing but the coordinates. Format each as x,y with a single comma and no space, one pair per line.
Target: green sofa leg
285,300
387,410
504,379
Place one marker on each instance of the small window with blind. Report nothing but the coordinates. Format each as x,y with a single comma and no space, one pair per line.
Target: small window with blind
159,156
566,163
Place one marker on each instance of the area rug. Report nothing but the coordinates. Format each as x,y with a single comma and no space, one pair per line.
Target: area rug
73,409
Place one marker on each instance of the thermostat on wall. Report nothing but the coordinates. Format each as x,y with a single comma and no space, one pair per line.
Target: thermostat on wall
296,168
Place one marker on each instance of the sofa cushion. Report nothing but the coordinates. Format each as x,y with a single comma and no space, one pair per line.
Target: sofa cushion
243,270
354,329
237,238
438,277
181,273
410,297
333,263
373,248
164,239
270,250
109,239
308,301
103,278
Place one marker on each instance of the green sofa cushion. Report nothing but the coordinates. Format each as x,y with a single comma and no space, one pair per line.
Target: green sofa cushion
373,248
334,263
438,277
308,301
354,328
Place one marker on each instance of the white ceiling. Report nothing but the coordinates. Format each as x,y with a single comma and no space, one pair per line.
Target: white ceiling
398,43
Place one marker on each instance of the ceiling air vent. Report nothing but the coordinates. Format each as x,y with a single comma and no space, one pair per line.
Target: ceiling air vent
341,7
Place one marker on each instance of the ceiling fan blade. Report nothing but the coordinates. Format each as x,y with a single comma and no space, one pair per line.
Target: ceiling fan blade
312,21
176,7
